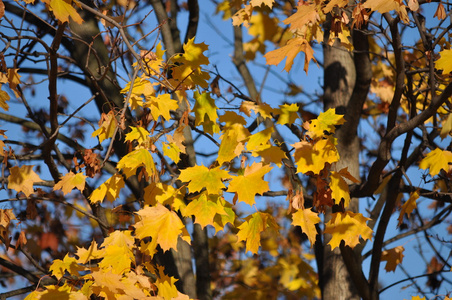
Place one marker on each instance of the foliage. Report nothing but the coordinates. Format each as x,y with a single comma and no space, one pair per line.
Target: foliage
185,157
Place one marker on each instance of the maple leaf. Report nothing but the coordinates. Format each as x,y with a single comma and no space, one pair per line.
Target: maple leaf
347,227
135,159
325,124
117,259
158,192
22,179
92,253
258,3
6,215
445,61
408,206
249,184
436,160
288,113
220,220
440,12
231,145
107,126
166,285
109,189
393,257
69,264
57,292
334,3
306,219
172,151
70,181
417,298
206,112
108,282
447,127
205,207
339,186
3,98
270,154
251,229
200,177
193,53
138,134
259,138
313,157
161,224
263,109
63,9
305,14
291,50
161,106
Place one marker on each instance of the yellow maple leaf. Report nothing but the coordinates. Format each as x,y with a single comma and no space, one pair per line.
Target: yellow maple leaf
435,161
334,3
249,184
306,219
6,215
314,157
250,230
291,50
172,151
206,112
22,179
408,206
161,224
339,187
117,259
204,208
158,192
260,138
325,124
107,126
231,146
69,264
270,154
70,181
288,113
57,292
135,159
263,109
200,177
92,253
108,282
445,61
161,106
446,129
138,134
13,79
63,9
166,285
109,189
220,220
347,227
393,257
418,298
193,53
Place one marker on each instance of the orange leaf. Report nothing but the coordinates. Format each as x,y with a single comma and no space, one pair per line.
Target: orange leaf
249,184
291,50
22,179
408,206
306,219
70,181
393,257
107,126
347,227
6,215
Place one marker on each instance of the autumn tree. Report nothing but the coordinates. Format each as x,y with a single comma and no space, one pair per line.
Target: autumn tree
307,158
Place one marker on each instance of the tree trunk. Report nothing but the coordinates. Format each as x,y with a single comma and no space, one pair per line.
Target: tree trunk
347,79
